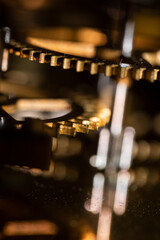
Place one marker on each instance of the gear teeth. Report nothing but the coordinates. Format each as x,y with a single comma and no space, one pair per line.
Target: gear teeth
108,71
66,128
79,126
85,121
119,70
111,70
115,69
45,57
83,124
69,63
34,55
152,75
139,73
56,60
81,65
25,52
92,125
124,71
96,67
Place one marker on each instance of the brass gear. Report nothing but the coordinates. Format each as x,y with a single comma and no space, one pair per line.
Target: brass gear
93,116
99,115
119,69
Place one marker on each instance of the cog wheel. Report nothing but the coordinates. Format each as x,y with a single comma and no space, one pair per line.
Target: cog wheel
135,69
